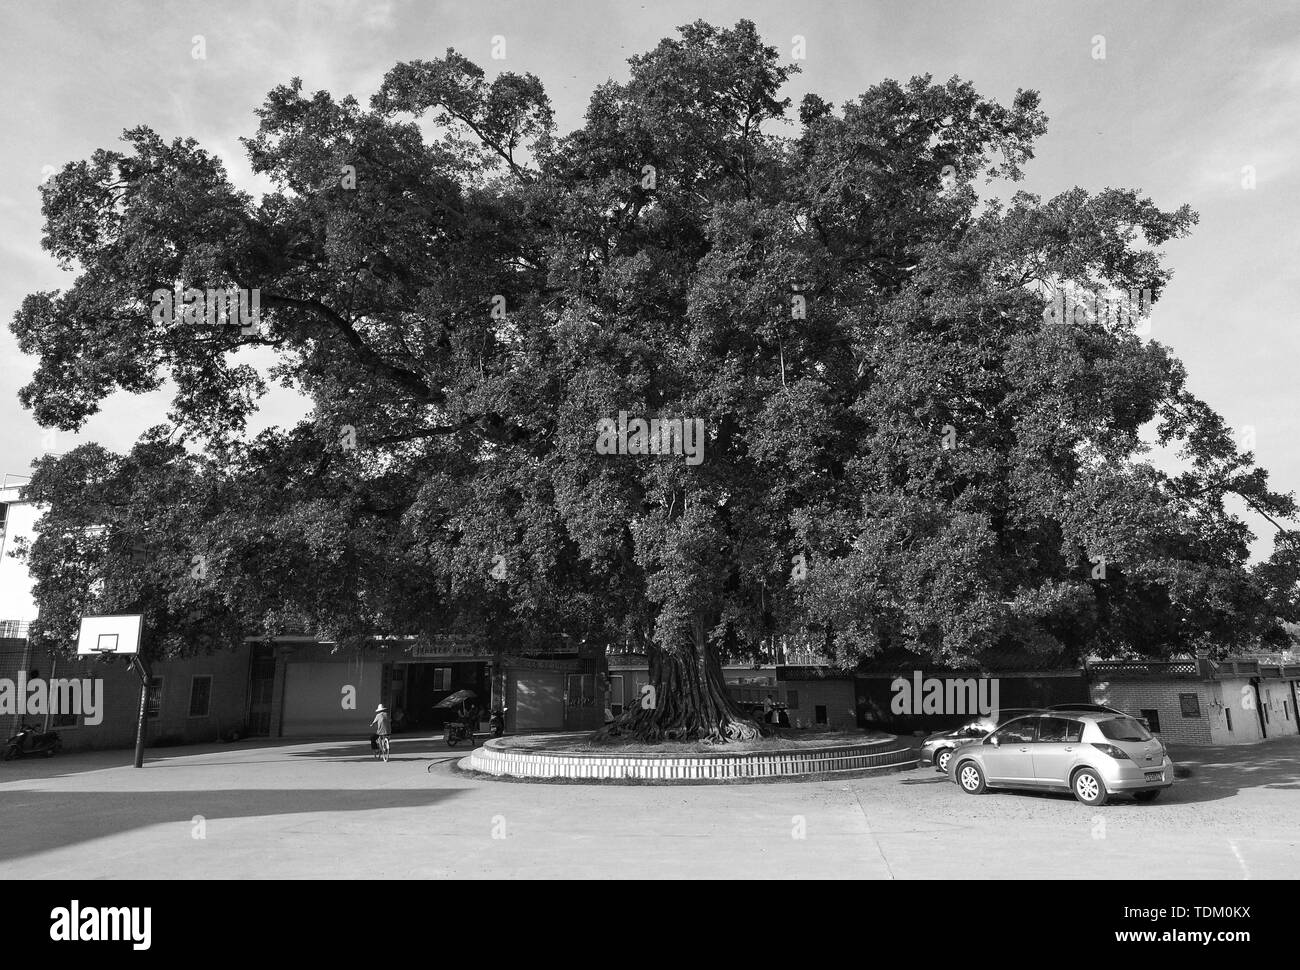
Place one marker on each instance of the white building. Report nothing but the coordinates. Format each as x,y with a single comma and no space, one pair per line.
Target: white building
17,521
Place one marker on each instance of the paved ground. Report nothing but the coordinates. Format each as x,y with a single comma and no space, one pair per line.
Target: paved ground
327,810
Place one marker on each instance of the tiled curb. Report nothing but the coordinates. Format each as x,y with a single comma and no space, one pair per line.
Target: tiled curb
497,757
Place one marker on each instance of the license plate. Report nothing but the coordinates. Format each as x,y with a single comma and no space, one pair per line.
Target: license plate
1155,776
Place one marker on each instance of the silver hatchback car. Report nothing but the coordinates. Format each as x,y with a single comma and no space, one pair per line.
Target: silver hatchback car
1093,755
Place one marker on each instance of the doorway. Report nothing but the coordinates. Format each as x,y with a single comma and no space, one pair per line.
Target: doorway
1259,708
261,687
417,688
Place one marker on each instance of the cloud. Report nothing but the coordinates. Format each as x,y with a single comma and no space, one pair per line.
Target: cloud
379,16
1256,122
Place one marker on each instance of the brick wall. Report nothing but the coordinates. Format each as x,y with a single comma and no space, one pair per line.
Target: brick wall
837,695
1228,711
12,660
120,694
227,707
876,695
1161,695
227,704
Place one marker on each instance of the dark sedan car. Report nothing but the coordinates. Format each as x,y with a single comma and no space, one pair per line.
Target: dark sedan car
1098,709
938,747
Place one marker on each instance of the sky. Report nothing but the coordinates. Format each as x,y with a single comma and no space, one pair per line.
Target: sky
1192,102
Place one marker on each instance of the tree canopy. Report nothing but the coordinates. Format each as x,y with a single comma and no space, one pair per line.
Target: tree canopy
901,451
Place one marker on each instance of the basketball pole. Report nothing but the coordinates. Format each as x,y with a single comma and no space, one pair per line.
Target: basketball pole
144,700
105,643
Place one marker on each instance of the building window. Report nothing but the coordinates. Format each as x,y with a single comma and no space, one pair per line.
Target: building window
200,695
1152,719
64,719
153,705
1190,704
581,690
1227,712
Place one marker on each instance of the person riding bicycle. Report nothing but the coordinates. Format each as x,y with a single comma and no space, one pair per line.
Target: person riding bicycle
382,725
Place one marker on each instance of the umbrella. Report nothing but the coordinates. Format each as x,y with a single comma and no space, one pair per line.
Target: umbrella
459,697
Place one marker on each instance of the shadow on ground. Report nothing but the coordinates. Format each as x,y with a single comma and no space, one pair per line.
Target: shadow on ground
405,748
402,749
921,778
86,816
1221,772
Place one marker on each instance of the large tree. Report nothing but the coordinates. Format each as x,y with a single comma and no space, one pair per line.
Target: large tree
900,451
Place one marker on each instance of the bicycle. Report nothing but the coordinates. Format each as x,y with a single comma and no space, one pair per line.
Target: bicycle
381,747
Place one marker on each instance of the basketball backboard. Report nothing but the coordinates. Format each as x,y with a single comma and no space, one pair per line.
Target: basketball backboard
109,635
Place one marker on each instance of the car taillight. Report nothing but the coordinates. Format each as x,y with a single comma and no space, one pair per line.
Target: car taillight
1111,750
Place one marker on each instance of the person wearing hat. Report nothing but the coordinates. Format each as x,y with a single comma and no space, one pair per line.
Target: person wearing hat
381,724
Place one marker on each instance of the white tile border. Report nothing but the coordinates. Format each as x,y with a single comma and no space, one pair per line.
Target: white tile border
499,759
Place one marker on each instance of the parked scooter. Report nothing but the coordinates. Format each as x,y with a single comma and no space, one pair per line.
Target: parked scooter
497,722
30,742
457,731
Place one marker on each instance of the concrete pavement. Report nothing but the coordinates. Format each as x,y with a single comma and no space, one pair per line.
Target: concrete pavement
328,810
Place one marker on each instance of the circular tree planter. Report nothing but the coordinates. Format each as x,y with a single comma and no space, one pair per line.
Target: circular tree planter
570,757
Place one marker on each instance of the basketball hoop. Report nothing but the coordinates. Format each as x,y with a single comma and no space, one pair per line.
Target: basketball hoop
109,636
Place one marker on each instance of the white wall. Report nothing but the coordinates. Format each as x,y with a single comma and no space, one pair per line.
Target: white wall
536,699
1238,697
313,698
16,602
1276,697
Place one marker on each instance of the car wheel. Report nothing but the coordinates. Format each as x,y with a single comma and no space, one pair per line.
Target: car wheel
1147,796
970,778
1089,788
942,758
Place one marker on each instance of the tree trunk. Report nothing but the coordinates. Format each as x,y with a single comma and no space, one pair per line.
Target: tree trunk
689,701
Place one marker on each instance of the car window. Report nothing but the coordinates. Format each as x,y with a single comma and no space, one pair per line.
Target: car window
1123,729
1016,732
1059,730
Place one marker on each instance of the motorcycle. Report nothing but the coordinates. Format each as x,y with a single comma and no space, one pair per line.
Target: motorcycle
30,742
457,731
